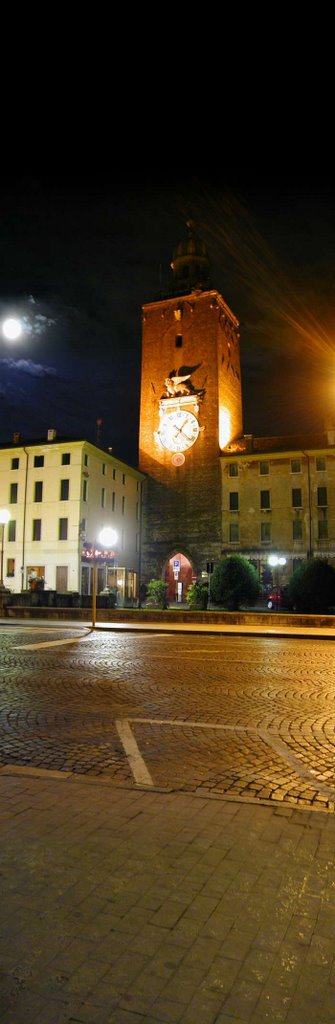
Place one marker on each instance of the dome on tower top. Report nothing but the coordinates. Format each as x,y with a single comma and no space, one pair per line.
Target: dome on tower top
190,264
190,246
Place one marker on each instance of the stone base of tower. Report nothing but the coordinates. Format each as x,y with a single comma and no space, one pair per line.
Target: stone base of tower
178,522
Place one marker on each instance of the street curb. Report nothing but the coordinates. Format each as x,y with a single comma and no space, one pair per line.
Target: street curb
285,809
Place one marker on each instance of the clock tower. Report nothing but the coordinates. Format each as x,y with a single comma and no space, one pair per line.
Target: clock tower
191,408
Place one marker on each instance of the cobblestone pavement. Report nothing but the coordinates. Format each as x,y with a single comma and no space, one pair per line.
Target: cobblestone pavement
233,717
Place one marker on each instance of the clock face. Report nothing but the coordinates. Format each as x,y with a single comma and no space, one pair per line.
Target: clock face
178,430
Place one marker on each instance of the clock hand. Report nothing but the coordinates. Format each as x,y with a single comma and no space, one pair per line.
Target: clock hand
180,429
188,433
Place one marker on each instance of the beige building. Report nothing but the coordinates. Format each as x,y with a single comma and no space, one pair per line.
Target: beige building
60,494
278,497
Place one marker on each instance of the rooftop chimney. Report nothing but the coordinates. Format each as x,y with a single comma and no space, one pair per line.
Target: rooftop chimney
249,442
52,434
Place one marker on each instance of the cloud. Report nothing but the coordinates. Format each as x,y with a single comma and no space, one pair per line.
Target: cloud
36,323
32,369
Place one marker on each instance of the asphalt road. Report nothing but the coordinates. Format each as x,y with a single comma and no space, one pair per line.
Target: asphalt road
246,718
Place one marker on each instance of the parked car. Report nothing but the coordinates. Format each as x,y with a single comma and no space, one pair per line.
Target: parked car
279,599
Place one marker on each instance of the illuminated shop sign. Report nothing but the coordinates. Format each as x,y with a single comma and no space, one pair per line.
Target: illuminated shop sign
91,553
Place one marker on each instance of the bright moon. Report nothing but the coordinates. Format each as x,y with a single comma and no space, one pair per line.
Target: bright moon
11,329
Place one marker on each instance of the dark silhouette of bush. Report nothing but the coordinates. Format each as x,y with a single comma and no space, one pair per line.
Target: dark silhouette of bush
234,582
312,587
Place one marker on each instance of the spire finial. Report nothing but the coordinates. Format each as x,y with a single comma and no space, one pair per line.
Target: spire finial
190,264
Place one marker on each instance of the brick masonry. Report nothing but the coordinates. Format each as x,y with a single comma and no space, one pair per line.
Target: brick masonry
182,505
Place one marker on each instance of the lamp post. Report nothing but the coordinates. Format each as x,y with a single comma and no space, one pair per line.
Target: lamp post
4,518
107,538
275,561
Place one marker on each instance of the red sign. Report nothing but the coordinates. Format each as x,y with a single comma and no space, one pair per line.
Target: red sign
93,554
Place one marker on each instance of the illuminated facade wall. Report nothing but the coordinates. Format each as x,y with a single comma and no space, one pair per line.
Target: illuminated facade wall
182,505
280,502
60,494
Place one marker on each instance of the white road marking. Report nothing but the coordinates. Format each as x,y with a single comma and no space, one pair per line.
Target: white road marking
50,643
31,629
189,655
137,765
270,738
310,776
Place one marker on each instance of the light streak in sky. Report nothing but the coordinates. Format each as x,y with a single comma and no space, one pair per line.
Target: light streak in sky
229,228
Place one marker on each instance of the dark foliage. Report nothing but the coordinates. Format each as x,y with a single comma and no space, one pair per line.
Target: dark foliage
234,582
312,587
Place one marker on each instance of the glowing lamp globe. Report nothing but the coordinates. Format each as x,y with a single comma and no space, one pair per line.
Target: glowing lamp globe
4,516
108,537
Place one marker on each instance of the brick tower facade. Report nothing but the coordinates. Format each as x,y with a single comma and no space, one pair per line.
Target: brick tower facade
191,408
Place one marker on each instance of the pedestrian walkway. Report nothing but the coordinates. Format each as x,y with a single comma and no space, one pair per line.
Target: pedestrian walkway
267,628
128,907
242,629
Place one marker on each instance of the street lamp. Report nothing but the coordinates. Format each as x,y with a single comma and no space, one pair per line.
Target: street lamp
275,561
4,518
107,538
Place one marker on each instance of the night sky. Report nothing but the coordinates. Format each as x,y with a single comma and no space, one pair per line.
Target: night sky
80,253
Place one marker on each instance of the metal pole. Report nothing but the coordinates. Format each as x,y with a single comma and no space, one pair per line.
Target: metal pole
94,595
140,544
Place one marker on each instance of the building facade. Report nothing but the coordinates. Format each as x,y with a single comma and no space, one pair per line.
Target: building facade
60,494
210,490
191,407
278,497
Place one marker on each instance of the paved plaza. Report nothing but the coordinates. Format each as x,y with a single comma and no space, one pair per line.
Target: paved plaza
132,907
168,829
224,716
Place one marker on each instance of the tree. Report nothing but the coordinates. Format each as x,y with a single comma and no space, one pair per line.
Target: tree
157,594
312,587
234,582
197,595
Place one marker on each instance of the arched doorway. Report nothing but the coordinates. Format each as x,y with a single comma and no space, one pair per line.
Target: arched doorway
179,575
